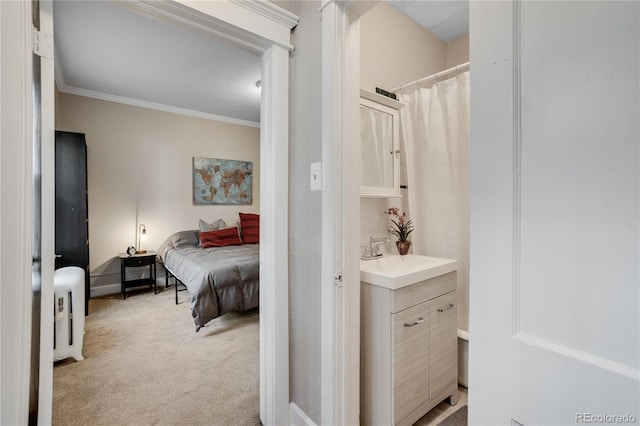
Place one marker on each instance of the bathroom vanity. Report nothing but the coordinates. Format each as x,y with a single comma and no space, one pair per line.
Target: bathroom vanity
409,352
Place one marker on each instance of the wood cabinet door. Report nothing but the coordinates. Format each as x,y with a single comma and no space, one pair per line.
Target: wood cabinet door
444,341
410,360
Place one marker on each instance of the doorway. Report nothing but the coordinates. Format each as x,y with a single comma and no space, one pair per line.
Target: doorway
341,32
249,26
537,363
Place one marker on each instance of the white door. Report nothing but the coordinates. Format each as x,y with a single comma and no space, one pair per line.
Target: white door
554,283
26,173
15,222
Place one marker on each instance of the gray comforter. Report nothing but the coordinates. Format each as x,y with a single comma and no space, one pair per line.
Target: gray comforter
219,279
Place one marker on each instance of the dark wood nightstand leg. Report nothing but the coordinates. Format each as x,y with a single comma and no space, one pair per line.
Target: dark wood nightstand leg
123,290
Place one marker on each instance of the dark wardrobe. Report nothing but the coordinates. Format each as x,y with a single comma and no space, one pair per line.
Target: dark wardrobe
72,212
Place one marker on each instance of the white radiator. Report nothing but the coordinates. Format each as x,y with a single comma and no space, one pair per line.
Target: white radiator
68,286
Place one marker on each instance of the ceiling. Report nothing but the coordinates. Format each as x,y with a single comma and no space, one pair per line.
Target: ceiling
110,51
446,19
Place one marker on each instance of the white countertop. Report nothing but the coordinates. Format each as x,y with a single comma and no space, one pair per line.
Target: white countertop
393,271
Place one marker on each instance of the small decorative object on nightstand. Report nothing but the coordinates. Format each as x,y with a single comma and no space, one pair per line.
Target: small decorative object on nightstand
148,258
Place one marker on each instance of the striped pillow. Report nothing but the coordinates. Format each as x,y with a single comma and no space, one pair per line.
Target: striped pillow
220,238
250,224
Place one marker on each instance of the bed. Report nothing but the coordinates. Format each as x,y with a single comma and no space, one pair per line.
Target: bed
219,279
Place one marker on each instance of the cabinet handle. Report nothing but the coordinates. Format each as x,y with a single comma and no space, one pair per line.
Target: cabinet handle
451,305
419,321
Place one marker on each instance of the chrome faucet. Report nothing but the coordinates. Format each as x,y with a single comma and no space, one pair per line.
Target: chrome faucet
373,251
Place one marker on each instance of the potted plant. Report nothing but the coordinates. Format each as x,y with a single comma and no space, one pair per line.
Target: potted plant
401,228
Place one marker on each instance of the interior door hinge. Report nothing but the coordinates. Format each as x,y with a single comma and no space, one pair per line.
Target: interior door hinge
42,44
337,279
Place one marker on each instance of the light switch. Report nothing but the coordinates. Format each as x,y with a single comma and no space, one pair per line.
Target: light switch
316,176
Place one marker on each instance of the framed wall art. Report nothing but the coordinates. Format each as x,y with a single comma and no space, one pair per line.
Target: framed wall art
218,181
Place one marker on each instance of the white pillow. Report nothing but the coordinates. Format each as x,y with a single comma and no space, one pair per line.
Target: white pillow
206,227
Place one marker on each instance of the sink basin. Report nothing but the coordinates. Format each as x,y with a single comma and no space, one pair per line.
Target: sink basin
394,271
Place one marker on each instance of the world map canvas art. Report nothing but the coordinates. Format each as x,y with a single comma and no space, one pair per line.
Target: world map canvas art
217,181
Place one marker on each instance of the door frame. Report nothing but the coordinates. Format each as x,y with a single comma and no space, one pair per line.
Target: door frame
261,27
341,165
16,133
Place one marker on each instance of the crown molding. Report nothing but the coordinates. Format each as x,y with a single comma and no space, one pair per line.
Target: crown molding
179,14
152,105
263,24
270,11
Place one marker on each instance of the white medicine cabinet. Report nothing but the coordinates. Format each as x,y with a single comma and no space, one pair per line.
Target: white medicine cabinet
380,145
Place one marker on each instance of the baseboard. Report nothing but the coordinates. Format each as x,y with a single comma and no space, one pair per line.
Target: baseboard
103,290
297,417
102,285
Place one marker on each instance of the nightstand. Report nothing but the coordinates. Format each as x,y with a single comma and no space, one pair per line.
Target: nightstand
137,260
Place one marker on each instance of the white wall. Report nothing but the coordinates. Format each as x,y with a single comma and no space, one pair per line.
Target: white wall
305,214
140,167
458,51
395,50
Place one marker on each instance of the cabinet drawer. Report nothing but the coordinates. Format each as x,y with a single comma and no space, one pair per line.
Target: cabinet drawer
411,295
138,261
444,341
410,360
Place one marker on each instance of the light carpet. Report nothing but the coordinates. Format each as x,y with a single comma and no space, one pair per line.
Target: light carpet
145,365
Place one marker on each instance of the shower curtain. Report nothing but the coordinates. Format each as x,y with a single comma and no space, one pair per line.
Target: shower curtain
435,134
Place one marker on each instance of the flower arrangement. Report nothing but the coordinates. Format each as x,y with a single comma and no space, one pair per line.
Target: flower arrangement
402,226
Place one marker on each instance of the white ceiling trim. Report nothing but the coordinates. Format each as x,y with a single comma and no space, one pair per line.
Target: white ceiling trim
270,11
256,24
173,14
151,105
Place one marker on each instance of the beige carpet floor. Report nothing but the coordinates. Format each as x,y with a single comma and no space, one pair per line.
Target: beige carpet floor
145,365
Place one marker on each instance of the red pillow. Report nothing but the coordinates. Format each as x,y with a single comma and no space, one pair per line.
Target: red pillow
220,238
250,224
